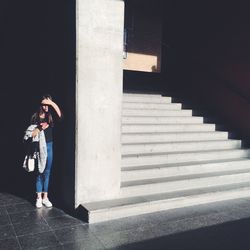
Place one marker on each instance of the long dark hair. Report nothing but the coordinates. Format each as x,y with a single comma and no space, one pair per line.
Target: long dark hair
35,119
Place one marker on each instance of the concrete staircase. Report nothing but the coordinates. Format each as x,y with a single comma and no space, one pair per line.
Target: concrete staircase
171,159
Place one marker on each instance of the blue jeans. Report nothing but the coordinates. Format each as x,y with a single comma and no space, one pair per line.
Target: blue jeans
42,180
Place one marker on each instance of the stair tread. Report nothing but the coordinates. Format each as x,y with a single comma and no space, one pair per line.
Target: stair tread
159,116
162,120
182,177
180,142
169,124
146,105
163,110
132,201
145,167
183,152
165,124
141,95
177,132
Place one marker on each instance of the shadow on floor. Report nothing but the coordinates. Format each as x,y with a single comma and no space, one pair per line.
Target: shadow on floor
228,236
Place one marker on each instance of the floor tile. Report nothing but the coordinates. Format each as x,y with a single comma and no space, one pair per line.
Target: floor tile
119,225
78,236
21,207
36,241
125,237
31,228
6,232
3,211
63,221
71,234
189,224
55,247
4,220
52,229
51,212
9,244
83,245
8,199
26,217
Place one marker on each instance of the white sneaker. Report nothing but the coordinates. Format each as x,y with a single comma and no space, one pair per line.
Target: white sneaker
47,203
39,203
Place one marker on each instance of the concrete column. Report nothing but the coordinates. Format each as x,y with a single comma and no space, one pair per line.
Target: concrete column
98,99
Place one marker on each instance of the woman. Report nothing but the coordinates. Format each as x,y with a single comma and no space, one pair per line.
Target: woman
45,122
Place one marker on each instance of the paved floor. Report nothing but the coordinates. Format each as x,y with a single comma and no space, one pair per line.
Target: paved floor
224,225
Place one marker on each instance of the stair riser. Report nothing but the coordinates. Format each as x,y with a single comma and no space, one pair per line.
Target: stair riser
177,147
159,106
136,112
163,205
182,157
157,188
145,99
168,128
135,175
173,137
161,120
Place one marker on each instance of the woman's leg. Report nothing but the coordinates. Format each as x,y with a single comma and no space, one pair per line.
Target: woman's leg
39,185
39,189
46,173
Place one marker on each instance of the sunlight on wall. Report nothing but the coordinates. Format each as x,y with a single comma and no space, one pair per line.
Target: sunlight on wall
141,62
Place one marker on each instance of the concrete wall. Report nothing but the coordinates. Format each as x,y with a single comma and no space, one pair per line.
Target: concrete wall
99,98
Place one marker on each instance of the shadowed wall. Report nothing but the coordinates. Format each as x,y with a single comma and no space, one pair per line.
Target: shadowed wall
205,58
38,56
211,42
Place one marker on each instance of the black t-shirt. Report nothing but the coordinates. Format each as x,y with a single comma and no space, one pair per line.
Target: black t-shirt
48,131
48,134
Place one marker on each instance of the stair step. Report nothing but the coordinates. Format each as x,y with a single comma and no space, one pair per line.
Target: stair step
178,183
155,112
152,106
147,99
151,128
172,137
141,95
120,208
132,160
161,120
141,148
182,169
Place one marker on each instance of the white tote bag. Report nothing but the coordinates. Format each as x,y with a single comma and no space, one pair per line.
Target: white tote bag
29,163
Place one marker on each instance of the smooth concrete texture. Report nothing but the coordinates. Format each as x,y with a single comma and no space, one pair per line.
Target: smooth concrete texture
145,112
99,98
167,106
164,202
146,98
143,148
133,128
161,120
174,167
179,157
168,170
